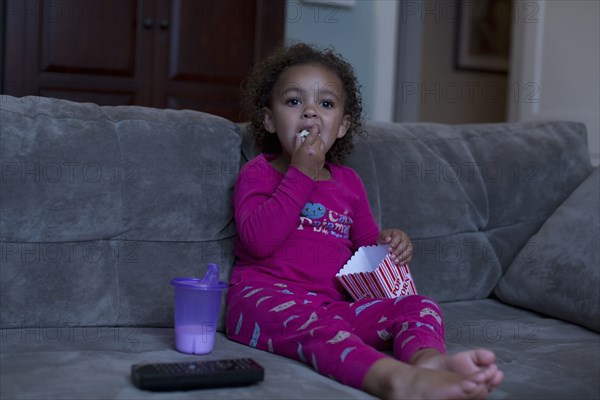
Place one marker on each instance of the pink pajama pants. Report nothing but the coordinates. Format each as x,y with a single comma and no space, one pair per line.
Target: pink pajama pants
338,339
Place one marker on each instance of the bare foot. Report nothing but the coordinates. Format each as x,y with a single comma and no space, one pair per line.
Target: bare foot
465,363
392,379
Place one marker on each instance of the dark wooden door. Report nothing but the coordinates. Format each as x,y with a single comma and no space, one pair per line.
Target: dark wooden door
162,53
81,51
206,48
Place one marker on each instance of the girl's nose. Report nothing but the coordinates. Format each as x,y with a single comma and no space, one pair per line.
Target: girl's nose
309,111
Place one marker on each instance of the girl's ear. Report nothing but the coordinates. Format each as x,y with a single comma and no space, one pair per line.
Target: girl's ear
344,126
268,122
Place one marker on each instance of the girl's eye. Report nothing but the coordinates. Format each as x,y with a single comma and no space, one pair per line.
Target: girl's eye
293,102
327,104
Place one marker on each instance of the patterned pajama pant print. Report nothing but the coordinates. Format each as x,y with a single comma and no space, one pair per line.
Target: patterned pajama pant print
339,339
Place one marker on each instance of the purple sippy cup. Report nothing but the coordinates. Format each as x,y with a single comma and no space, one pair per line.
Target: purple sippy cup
197,304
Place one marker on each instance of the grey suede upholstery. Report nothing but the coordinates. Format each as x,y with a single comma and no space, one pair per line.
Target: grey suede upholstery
102,206
568,243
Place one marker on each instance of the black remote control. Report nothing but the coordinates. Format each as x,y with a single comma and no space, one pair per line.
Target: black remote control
197,374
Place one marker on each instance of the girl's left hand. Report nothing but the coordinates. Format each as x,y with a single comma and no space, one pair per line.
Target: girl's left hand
399,244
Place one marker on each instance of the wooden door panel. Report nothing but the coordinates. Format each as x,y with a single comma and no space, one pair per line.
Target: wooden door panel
208,48
218,99
211,41
90,96
77,50
78,37
160,53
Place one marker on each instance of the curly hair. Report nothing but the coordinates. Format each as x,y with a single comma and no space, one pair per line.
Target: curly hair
257,92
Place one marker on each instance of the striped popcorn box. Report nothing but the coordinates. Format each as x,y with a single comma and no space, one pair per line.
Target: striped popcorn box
371,273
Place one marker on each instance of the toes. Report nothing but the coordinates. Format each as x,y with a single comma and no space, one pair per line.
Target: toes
472,390
483,357
485,375
497,378
469,386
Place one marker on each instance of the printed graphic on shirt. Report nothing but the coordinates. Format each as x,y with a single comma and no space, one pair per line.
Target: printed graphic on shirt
328,222
313,211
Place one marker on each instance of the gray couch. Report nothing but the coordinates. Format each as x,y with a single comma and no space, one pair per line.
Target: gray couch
102,206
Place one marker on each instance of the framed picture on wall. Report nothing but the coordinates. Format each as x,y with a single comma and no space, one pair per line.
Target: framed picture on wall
482,41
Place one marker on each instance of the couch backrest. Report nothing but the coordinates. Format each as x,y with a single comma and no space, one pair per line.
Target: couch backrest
103,206
470,196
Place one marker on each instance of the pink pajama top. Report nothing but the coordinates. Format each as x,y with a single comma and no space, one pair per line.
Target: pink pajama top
295,230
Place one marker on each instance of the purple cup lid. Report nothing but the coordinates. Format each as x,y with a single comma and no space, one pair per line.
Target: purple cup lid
210,281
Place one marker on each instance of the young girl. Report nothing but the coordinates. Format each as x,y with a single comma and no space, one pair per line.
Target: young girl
300,216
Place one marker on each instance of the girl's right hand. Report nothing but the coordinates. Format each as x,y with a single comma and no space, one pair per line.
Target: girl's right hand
309,154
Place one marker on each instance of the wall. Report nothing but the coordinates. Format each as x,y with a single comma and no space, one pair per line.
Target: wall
448,95
556,56
366,35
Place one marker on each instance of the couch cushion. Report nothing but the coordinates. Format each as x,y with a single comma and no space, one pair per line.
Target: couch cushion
142,173
65,362
541,357
558,270
470,196
102,206
413,184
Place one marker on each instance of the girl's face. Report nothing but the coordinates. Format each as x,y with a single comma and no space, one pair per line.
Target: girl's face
305,96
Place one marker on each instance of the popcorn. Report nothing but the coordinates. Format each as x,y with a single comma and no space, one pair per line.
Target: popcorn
371,273
304,134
